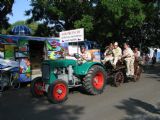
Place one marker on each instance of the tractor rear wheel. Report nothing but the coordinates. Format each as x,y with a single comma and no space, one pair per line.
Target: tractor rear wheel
94,82
118,78
58,91
37,86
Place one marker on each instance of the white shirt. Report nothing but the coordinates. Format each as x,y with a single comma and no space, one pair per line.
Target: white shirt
117,52
128,53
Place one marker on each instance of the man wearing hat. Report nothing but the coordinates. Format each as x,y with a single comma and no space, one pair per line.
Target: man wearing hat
117,54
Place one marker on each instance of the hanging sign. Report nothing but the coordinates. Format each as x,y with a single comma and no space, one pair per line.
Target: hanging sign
72,35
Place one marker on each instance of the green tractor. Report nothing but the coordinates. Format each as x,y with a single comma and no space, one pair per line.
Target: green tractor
60,75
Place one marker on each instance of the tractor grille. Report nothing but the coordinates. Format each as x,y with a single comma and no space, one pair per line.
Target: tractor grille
45,72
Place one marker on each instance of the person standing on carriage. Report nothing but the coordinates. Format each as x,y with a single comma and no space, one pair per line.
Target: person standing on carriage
129,58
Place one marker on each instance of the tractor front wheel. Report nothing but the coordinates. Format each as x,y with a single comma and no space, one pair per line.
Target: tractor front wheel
37,87
94,82
58,91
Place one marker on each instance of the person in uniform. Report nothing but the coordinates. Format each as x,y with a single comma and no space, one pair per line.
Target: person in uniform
108,54
129,58
117,54
86,56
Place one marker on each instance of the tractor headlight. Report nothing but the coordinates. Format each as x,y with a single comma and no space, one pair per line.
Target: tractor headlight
55,71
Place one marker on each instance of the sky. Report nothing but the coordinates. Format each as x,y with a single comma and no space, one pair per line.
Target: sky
18,10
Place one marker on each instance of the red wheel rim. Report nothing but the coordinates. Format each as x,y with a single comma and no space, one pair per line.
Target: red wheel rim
59,91
38,88
98,80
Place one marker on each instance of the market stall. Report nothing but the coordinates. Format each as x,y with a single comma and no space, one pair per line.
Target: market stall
28,52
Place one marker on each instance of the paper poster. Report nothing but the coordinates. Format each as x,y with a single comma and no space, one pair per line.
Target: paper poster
24,70
25,77
75,35
1,51
23,50
95,53
9,52
55,49
21,54
25,66
24,62
7,40
23,45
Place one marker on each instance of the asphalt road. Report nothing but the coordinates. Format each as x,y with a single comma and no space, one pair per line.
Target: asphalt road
131,101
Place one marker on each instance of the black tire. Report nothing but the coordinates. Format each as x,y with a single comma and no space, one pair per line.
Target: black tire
89,81
118,78
15,84
36,84
4,81
54,96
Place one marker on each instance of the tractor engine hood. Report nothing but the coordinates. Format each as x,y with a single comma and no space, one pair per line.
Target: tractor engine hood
60,63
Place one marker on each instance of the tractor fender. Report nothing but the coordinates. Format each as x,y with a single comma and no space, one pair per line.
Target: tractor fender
83,69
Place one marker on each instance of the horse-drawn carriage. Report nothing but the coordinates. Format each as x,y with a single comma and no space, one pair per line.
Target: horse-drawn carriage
118,74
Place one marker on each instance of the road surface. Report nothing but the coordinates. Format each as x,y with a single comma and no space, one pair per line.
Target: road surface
131,101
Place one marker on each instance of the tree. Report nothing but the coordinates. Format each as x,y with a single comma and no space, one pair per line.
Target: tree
86,22
114,17
5,9
102,19
72,12
147,34
152,24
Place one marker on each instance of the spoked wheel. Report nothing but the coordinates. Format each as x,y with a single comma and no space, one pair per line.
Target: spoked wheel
58,91
37,87
118,78
4,81
95,81
137,73
15,84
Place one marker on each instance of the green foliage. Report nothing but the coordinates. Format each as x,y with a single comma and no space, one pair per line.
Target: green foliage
43,31
50,11
86,22
33,26
128,12
109,20
5,9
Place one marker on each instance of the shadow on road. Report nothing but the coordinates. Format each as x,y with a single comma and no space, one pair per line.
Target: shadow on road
19,105
138,110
